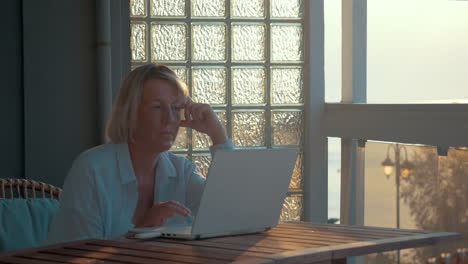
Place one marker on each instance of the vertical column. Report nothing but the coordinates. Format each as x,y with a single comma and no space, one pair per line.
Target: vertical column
315,147
354,79
354,39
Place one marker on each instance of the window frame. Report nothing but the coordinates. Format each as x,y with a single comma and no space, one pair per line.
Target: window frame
442,125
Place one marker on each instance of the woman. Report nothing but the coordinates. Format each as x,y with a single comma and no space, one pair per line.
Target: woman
134,181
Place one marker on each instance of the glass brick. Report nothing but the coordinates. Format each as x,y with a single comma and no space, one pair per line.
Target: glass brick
209,85
168,42
209,42
248,8
292,208
286,42
248,85
208,8
286,8
203,141
182,140
168,8
138,41
286,86
137,8
248,128
287,128
248,42
181,72
297,175
203,163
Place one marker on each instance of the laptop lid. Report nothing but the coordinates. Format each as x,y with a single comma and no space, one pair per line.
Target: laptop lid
244,191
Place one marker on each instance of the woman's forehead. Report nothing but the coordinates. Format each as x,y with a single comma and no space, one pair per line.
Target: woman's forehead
165,99
160,90
168,99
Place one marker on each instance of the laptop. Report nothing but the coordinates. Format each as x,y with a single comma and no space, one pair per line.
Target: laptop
244,193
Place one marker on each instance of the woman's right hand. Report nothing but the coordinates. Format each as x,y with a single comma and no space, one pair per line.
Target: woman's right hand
202,118
159,213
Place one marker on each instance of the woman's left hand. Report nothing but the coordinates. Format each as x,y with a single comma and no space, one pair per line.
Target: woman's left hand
202,118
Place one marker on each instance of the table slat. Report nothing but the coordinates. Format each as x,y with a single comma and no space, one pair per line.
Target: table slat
265,250
67,259
143,251
106,256
149,254
312,236
359,234
189,250
19,260
318,235
368,229
284,243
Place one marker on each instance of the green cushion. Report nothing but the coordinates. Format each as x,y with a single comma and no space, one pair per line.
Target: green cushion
24,223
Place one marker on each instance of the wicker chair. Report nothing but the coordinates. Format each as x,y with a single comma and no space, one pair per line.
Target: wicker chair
29,206
23,188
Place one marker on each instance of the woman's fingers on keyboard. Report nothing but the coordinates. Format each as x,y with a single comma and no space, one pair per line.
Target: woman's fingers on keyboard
177,208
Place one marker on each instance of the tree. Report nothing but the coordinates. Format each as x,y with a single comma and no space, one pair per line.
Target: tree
437,194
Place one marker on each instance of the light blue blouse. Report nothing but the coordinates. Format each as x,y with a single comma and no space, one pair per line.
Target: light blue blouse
100,193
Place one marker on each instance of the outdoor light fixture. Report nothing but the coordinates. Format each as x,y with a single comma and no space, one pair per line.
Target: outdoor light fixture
403,169
388,167
406,169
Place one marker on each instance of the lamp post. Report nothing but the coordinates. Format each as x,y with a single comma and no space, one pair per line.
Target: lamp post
402,170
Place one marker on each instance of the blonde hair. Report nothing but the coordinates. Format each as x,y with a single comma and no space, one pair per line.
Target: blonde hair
122,123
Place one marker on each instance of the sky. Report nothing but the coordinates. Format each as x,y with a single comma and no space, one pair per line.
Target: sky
417,51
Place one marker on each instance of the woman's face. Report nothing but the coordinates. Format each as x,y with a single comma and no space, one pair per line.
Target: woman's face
158,116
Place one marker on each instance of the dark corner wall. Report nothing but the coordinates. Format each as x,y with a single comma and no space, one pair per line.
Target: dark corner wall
49,88
11,92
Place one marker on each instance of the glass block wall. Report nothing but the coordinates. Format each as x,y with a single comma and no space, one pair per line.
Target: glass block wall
244,58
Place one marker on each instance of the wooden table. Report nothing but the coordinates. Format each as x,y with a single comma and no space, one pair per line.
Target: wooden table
287,243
